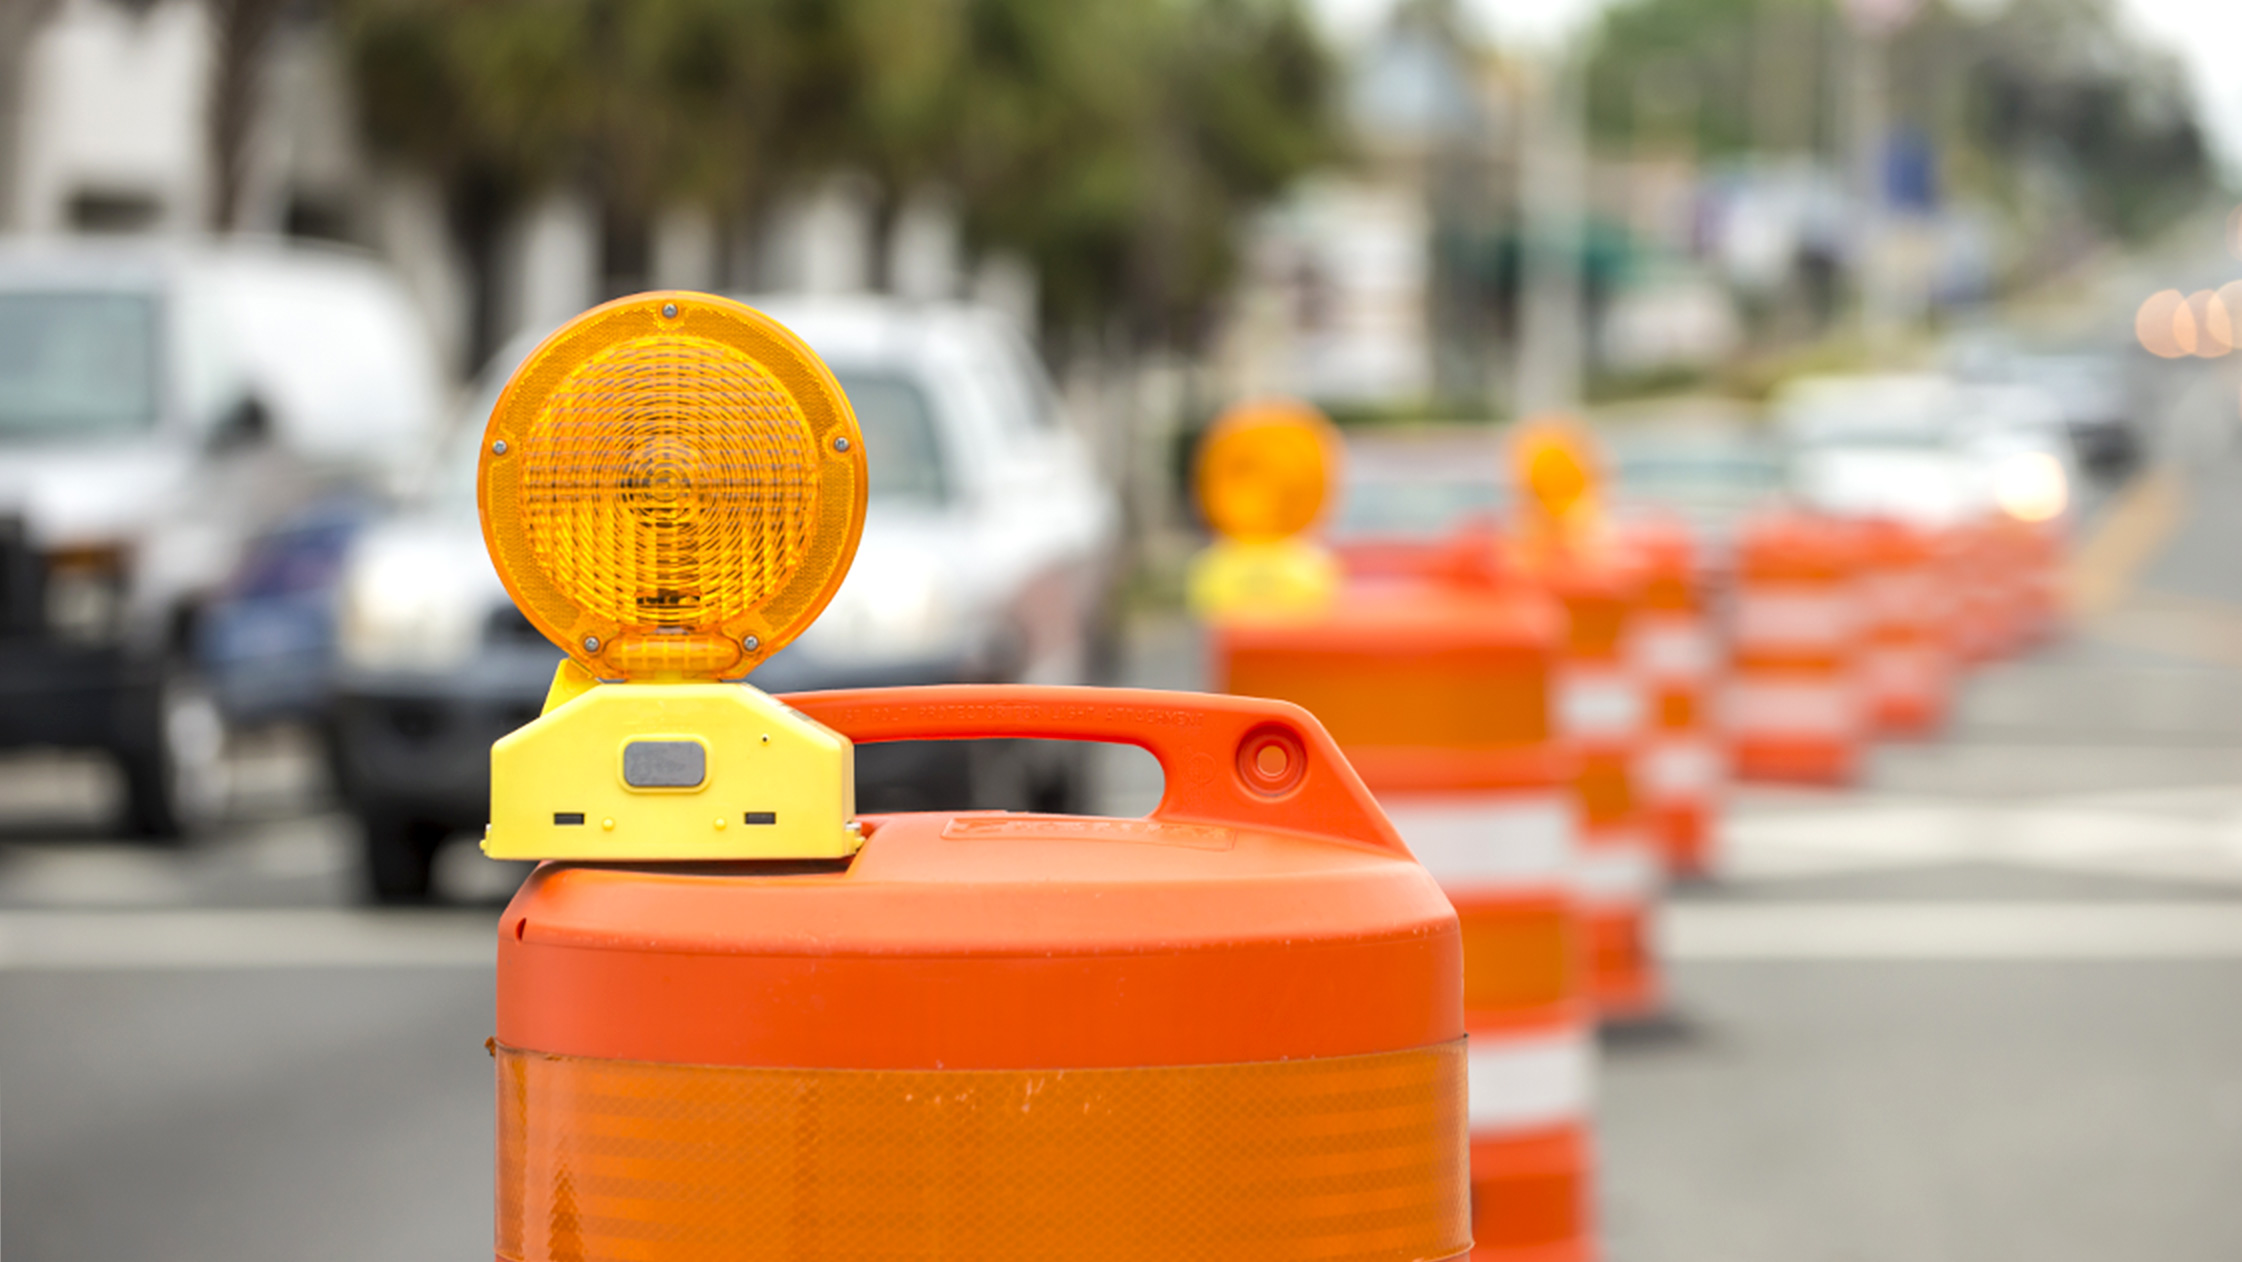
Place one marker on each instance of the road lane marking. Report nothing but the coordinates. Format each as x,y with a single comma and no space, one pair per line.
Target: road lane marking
254,938
2186,836
2130,533
1871,932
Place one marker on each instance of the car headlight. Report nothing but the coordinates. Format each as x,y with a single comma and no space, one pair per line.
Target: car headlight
2030,486
401,613
85,596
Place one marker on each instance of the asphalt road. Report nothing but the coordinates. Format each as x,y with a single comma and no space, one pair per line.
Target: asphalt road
1984,1008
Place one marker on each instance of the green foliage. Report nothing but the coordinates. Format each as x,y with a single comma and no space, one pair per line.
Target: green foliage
2042,89
1114,142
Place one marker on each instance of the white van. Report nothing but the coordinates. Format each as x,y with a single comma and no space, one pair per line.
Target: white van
159,406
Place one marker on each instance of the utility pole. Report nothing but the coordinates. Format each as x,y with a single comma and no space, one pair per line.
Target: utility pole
1873,24
1552,171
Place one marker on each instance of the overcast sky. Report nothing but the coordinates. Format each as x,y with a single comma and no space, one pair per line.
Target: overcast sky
2206,33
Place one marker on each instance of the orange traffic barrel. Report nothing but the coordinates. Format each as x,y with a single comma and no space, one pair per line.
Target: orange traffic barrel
1601,715
1233,1028
1907,666
1794,706
2031,580
1440,696
1970,564
1682,771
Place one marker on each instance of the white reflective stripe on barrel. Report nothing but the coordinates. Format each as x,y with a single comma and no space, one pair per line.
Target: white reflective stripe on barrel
1622,870
1673,648
1681,767
1599,702
1520,1082
1795,617
1758,705
1507,840
1902,670
1907,597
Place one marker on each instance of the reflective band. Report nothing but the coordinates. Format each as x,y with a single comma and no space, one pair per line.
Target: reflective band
1507,842
1796,618
1680,768
1904,670
1901,598
1598,703
1821,707
1521,956
1519,1083
1671,649
1348,1157
1618,872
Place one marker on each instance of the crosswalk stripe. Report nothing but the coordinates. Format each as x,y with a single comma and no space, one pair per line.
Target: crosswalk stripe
245,939
1953,931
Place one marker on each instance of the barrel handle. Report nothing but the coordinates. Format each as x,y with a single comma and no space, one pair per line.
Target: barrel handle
1238,761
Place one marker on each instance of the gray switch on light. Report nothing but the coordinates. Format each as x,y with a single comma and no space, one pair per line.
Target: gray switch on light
664,764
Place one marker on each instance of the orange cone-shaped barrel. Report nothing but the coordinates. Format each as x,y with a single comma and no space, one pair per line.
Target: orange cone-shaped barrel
1907,667
1436,680
1683,769
1602,716
1232,1029
1796,707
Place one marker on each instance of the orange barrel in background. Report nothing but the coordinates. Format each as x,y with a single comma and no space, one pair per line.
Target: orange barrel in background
2032,556
1795,709
1440,694
1232,1029
1601,716
1683,769
1907,664
1969,563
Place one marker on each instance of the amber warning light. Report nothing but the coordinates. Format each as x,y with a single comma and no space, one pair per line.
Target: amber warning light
672,487
1264,477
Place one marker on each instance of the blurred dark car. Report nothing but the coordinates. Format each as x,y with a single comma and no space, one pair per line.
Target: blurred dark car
160,408
266,642
988,555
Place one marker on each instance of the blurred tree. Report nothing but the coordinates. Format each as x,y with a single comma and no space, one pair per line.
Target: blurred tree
244,31
2056,83
2040,89
1114,143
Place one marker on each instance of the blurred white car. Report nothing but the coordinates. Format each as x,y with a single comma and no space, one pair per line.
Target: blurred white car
989,554
1927,450
1420,483
161,407
2087,390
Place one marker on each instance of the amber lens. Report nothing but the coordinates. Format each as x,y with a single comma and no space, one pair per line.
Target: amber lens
1266,469
1555,465
1349,1157
672,486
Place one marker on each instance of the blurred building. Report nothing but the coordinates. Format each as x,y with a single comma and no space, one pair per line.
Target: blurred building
1382,286
116,129
156,118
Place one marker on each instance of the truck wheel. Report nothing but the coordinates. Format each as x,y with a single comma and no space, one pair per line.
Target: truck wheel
400,856
174,768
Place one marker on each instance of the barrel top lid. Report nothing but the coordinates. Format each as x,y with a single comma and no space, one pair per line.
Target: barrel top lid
974,884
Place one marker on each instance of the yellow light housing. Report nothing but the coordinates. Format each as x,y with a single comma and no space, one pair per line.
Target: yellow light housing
1555,463
672,487
1266,470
